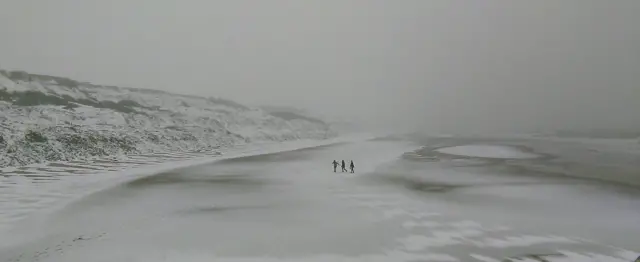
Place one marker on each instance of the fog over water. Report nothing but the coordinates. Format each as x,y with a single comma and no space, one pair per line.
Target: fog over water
442,66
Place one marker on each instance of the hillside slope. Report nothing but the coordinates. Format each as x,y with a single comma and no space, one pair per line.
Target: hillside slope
46,118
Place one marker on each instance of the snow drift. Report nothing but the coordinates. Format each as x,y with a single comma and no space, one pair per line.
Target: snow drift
47,118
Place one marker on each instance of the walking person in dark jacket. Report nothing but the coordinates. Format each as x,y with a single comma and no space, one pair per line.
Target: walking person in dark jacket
335,165
344,167
352,166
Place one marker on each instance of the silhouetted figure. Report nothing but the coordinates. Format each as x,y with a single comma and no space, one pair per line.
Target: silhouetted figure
344,167
352,166
335,165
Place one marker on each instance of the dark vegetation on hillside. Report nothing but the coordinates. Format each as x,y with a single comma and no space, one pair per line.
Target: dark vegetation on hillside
35,137
228,103
24,76
33,98
294,116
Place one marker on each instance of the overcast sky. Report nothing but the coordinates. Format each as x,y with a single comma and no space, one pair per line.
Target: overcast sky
440,65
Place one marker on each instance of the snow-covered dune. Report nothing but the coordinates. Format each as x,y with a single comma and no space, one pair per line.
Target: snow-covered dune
46,118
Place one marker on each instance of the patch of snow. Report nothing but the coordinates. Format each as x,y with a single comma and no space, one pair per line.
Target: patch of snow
487,151
37,86
62,90
10,86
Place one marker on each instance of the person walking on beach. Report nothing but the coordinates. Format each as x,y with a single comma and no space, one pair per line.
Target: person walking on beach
344,167
352,166
335,165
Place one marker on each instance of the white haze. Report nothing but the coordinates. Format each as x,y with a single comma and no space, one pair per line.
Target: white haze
442,66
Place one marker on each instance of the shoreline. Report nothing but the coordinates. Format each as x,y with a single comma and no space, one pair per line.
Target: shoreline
568,158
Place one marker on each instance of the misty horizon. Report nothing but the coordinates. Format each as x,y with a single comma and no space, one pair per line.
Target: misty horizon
437,66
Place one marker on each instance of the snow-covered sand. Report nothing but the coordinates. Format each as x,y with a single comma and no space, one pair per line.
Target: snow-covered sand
42,188
487,151
294,197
